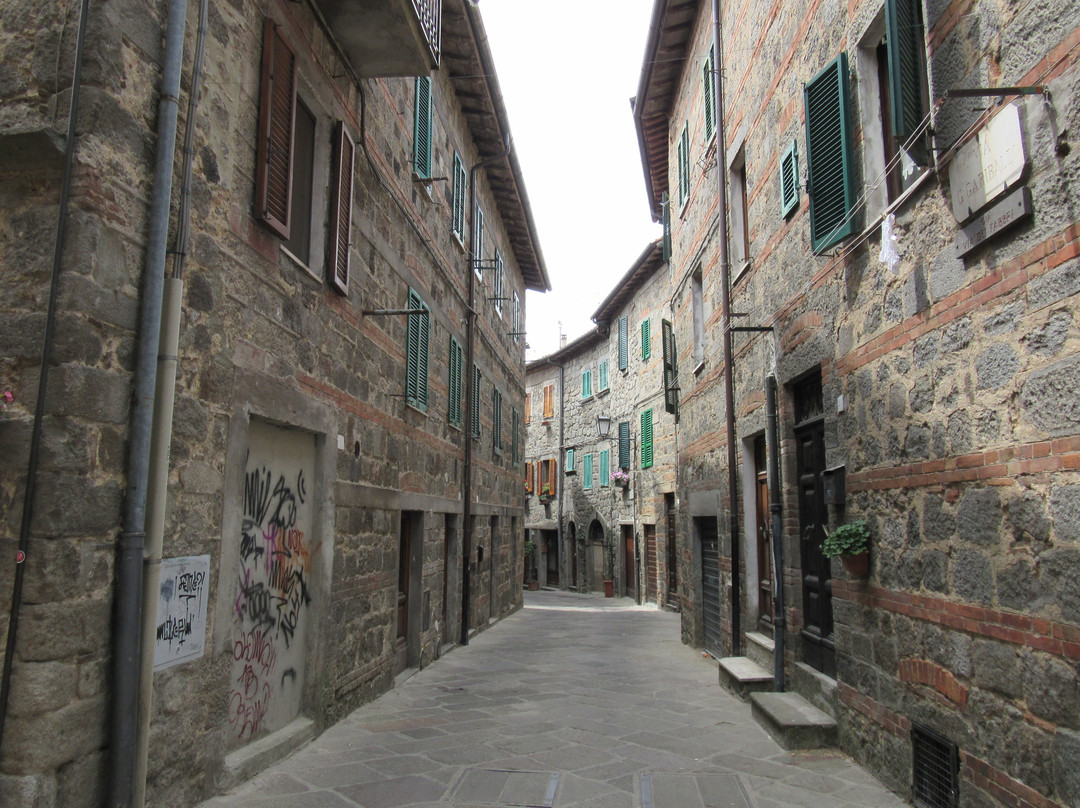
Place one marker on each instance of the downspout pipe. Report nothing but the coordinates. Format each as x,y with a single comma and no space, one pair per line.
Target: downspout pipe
43,375
467,415
777,528
129,562
725,315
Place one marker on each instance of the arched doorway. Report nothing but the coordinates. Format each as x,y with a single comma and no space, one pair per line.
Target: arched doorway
572,539
596,568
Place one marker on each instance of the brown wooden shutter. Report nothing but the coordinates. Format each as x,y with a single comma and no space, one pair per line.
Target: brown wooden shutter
277,116
553,470
341,180
528,478
528,407
549,400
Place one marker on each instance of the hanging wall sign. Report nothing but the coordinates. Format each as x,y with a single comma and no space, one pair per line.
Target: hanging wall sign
988,165
1012,209
181,615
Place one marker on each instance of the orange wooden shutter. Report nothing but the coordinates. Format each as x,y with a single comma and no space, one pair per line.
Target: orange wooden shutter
528,478
340,235
274,145
528,407
549,400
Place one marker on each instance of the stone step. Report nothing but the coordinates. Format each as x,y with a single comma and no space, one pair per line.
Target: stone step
792,721
759,648
742,676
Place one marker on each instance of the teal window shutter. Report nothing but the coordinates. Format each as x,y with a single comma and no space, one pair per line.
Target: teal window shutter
478,242
646,340
454,385
829,155
665,210
789,179
496,420
475,402
646,439
907,60
569,460
708,76
422,128
458,206
605,467
624,444
671,369
586,383
416,353
587,472
624,339
683,153
602,376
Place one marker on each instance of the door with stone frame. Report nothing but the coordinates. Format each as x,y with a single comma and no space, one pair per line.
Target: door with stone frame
764,538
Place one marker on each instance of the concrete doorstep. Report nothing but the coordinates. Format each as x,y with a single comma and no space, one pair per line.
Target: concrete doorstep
792,721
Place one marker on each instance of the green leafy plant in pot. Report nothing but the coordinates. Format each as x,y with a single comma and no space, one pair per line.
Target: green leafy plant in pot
530,570
851,542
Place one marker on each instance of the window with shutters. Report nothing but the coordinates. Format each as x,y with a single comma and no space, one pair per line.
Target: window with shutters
828,155
697,301
422,134
496,420
457,215
454,383
340,229
528,478
708,88
586,472
789,179
605,467
646,439
516,439
499,283
646,340
671,369
528,408
602,377
570,461
624,444
586,383
665,212
475,411
478,242
553,472
416,353
683,156
516,324
624,340
549,401
738,213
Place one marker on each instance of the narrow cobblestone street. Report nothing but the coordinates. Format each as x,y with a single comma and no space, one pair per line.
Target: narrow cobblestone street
574,702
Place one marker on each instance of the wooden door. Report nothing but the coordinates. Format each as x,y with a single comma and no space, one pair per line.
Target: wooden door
404,553
651,582
672,600
630,561
764,540
711,618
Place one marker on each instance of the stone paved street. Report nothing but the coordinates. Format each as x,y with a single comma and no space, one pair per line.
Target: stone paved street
574,702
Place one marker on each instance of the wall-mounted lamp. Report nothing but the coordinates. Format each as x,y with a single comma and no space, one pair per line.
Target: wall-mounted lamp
603,426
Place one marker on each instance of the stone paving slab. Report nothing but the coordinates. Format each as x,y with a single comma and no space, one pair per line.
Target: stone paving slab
576,701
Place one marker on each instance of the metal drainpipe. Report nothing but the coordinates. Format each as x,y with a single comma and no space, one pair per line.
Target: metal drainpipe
129,562
470,328
161,438
725,314
777,531
43,375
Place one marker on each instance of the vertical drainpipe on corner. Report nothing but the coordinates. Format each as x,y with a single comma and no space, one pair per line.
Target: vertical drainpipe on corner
725,310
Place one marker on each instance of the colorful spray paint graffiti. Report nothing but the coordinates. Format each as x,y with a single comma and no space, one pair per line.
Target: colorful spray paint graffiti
272,595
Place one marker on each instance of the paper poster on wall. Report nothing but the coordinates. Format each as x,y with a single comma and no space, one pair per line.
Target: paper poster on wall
181,613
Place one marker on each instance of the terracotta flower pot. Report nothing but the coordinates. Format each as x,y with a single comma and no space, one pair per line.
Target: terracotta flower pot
609,589
857,565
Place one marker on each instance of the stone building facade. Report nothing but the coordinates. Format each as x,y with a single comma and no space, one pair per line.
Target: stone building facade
611,512
903,258
335,488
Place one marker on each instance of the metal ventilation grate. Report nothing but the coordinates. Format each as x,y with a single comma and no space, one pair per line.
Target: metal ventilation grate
935,768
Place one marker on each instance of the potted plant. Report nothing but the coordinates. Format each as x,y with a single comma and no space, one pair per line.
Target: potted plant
530,570
851,542
620,477
545,493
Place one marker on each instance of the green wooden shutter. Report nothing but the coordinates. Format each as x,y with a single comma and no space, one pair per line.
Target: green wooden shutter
475,415
646,340
569,460
499,282
789,179
416,354
496,420
708,73
624,444
671,369
454,386
458,212
683,153
587,472
665,210
646,439
624,339
605,467
907,56
422,128
478,242
602,373
829,155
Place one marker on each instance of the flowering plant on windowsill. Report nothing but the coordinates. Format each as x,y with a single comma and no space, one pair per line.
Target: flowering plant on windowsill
545,492
620,477
6,398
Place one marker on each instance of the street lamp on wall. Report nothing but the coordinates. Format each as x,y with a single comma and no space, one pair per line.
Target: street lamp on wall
603,426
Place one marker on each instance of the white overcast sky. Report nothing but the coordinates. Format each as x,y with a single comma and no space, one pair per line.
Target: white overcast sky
568,69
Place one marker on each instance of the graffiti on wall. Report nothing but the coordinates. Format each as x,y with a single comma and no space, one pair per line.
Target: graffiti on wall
272,585
181,612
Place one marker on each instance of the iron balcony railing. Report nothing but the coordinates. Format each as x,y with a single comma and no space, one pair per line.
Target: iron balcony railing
429,12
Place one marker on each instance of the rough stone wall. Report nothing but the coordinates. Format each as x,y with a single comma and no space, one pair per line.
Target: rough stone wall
958,428
261,337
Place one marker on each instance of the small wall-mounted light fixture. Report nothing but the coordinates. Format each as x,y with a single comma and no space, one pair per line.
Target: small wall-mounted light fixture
603,426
